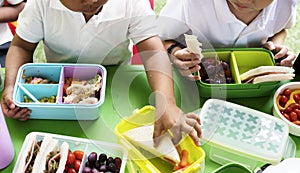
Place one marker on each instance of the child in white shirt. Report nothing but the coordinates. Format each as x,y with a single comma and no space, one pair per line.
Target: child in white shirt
227,23
97,31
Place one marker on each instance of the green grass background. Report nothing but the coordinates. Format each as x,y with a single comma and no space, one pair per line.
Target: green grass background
292,40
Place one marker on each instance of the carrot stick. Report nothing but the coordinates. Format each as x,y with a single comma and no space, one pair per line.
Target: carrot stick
184,158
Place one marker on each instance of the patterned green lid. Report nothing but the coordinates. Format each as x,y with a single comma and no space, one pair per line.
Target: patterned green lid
243,130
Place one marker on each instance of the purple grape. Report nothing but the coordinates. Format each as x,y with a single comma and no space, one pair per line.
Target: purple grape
102,157
102,168
92,157
87,170
95,170
111,167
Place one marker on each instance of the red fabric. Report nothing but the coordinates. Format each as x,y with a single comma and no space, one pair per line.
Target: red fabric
11,26
136,59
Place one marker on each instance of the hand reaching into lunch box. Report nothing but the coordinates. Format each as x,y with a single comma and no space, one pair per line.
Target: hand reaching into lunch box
174,121
282,55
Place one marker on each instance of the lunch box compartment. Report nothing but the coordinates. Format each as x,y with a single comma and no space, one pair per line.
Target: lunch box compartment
57,72
51,73
85,145
234,133
39,91
147,162
240,61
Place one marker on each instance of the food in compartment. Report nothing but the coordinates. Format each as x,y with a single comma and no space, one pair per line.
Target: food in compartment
183,164
82,91
44,155
142,137
51,99
214,71
267,74
74,161
102,163
288,102
38,80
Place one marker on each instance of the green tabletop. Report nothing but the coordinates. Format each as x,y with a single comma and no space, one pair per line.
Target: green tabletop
127,89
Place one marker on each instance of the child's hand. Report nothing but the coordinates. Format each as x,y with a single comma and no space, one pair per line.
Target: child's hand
187,63
10,109
283,56
176,121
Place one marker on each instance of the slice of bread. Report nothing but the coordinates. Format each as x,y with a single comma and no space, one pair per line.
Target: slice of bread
272,78
142,137
265,70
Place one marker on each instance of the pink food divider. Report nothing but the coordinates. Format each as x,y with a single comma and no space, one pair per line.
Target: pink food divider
78,73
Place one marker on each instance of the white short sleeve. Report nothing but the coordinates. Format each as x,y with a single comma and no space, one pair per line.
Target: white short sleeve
30,25
172,20
143,21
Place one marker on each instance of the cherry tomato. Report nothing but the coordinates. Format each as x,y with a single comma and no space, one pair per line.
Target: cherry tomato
297,122
77,164
283,99
288,110
287,92
297,98
71,158
78,154
293,116
286,116
72,170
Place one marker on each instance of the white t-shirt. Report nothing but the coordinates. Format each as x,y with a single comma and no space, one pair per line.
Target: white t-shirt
104,39
216,27
5,33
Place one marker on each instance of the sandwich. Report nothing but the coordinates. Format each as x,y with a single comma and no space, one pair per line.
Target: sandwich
267,74
193,45
142,137
43,156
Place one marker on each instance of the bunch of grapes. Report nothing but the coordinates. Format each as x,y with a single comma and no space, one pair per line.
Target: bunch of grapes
215,71
103,163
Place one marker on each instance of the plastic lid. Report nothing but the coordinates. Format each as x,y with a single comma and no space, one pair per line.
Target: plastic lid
244,130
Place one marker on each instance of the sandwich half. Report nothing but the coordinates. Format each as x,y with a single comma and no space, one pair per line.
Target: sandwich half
48,145
142,137
267,74
27,159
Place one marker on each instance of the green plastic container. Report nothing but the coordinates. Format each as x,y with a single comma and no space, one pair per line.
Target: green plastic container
240,61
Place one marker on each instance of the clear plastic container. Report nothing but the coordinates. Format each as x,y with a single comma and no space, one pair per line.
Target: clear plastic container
81,144
6,145
235,133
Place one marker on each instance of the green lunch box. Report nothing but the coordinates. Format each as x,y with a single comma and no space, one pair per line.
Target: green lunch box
239,60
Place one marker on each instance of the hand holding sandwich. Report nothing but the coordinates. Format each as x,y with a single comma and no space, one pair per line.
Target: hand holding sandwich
175,122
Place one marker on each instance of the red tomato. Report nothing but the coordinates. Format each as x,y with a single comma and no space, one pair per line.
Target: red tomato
283,99
287,92
297,111
72,170
297,98
293,116
77,164
71,158
78,154
297,123
286,116
288,110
